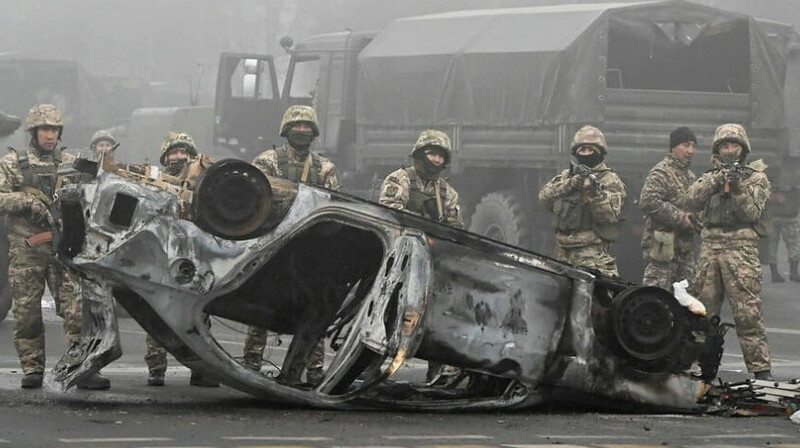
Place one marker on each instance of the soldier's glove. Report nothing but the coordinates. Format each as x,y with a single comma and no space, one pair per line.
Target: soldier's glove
40,213
686,221
718,178
575,182
691,222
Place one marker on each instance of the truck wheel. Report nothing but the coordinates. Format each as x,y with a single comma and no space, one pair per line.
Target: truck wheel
5,287
502,216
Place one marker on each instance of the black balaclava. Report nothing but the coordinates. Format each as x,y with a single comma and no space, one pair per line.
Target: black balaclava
425,168
593,159
175,167
300,141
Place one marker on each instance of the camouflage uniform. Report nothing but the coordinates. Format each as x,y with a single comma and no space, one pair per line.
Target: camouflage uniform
156,355
298,166
23,195
729,266
429,196
286,163
668,248
99,136
586,222
784,206
408,189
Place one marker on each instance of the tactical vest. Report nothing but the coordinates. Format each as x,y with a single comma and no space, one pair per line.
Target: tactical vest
571,213
720,212
293,169
41,178
426,204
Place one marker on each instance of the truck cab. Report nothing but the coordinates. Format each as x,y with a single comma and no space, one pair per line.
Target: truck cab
252,95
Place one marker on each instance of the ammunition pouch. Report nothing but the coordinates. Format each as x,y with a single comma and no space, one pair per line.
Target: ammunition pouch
431,210
663,248
571,213
719,211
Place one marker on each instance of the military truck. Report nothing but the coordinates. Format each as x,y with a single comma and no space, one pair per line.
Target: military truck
511,86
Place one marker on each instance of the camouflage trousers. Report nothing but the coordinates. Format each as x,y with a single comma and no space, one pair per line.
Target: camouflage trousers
28,270
156,355
789,229
256,340
664,273
735,273
595,256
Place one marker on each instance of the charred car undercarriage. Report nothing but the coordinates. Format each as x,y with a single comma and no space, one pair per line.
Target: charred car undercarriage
380,286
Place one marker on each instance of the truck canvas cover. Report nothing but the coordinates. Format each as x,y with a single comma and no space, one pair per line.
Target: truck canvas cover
553,65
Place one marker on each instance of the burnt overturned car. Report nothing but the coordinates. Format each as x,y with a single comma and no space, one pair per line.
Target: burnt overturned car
382,287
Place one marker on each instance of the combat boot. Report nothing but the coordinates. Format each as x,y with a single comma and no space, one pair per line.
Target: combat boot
32,380
94,381
793,275
198,380
252,361
314,376
765,375
776,275
155,378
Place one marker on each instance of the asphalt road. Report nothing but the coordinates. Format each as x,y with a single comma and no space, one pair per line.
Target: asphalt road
132,414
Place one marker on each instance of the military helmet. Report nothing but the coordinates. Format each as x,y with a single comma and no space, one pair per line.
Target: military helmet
43,115
102,135
297,113
432,137
589,135
731,132
176,138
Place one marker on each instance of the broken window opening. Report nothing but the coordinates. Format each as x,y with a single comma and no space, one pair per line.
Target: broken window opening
311,289
679,56
123,209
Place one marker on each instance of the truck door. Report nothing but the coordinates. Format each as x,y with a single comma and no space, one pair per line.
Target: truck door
248,106
317,79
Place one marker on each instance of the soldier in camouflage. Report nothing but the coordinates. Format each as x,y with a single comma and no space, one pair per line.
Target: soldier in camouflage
296,162
103,144
28,180
784,207
586,200
732,198
180,159
668,239
419,189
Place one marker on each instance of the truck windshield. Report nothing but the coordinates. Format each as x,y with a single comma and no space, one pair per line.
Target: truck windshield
305,79
252,79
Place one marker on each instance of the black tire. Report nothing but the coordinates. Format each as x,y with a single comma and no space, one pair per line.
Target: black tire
503,216
5,287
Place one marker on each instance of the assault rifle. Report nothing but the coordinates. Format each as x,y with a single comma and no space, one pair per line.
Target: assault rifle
734,170
579,169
